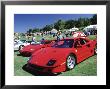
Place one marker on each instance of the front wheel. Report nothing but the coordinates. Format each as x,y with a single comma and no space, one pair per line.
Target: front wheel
70,62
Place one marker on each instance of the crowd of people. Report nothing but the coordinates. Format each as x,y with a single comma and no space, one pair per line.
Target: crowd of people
90,32
59,35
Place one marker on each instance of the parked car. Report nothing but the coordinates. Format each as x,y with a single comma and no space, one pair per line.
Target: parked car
19,44
63,55
78,34
29,49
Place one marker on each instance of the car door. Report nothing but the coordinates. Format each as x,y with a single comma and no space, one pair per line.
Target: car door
82,49
78,49
90,49
85,47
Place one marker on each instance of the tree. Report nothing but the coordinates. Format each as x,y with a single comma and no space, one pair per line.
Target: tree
30,31
22,34
82,22
59,25
94,19
70,24
87,22
47,28
35,30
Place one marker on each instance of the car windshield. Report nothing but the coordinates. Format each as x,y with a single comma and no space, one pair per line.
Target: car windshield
41,42
67,43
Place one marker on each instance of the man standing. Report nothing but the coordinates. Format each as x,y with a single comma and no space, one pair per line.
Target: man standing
33,39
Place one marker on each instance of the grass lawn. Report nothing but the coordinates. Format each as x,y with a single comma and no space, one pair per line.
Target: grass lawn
85,68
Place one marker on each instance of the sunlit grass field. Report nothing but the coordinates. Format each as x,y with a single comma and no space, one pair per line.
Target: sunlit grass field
85,68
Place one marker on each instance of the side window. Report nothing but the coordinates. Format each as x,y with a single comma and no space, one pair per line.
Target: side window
60,42
76,44
83,41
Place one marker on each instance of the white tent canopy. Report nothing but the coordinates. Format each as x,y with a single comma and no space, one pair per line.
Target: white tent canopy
73,29
90,27
54,31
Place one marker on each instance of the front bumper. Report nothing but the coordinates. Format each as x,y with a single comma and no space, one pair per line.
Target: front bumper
42,69
39,68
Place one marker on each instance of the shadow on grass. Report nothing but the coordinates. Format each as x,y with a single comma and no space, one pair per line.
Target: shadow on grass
23,55
19,55
37,73
15,50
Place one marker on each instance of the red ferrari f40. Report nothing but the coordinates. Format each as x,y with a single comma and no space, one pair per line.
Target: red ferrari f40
63,55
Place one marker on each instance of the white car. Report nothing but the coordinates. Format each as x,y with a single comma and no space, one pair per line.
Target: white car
19,44
78,34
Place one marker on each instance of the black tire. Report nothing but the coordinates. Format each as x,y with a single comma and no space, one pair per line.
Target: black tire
70,62
21,46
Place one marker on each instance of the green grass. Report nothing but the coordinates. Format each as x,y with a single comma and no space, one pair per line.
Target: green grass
38,37
92,37
85,68
19,61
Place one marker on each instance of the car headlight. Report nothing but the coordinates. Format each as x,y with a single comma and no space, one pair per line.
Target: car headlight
31,49
51,62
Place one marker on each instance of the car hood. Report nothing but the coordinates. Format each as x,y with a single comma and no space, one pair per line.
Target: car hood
44,55
32,47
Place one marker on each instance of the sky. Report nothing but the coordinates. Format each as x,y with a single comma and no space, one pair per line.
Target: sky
24,22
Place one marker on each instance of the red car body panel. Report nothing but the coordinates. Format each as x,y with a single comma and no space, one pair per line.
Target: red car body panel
28,50
41,57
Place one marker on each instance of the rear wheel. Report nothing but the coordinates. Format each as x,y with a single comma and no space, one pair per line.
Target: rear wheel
21,47
70,62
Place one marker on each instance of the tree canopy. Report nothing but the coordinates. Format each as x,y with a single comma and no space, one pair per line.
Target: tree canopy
61,24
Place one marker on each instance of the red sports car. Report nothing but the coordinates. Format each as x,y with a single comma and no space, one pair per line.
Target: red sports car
63,55
28,50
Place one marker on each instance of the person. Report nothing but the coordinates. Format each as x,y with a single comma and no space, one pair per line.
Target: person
66,34
42,34
85,32
33,39
42,41
88,33
58,36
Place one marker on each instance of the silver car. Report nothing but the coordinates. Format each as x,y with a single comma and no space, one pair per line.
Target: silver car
19,44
